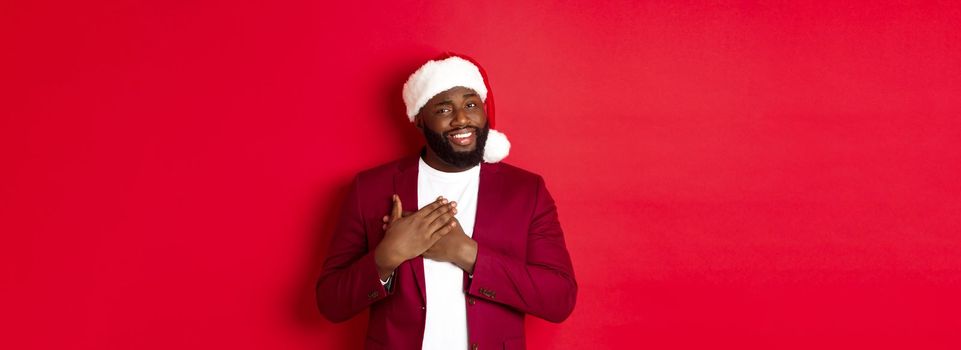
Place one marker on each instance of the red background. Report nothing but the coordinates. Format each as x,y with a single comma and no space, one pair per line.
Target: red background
728,174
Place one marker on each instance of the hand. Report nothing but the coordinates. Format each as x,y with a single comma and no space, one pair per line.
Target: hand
455,247
409,236
405,214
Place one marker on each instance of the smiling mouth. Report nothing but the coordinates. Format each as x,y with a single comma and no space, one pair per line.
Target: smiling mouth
463,137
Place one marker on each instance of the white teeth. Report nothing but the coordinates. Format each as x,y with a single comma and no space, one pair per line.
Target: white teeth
464,135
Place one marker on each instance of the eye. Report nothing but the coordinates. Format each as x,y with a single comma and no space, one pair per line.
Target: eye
442,111
471,105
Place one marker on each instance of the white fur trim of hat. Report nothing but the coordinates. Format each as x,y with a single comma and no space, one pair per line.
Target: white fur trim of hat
437,76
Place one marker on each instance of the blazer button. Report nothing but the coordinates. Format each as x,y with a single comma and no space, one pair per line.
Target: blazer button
473,346
373,295
488,293
470,301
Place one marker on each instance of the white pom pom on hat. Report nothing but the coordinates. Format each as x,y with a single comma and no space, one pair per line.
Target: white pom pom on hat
454,70
497,147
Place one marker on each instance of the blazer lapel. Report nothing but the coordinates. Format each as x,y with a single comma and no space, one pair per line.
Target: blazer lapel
405,185
488,198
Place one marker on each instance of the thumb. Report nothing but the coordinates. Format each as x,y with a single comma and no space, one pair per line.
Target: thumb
396,211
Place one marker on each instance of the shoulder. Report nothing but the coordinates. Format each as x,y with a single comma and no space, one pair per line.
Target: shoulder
517,175
387,170
518,185
512,170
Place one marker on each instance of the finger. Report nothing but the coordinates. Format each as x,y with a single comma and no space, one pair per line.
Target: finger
408,213
440,221
384,227
441,232
386,218
443,209
427,209
396,212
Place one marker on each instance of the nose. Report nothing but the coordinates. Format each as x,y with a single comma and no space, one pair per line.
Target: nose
460,118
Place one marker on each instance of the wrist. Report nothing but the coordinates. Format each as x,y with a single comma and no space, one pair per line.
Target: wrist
468,255
385,264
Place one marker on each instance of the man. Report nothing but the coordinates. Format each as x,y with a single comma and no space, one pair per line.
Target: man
484,248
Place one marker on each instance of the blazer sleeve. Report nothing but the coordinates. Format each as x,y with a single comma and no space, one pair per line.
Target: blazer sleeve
543,285
349,282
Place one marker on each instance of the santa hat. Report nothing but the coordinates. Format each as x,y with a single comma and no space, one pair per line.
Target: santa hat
452,70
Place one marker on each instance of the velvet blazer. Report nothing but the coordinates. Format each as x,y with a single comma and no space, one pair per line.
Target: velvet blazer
522,266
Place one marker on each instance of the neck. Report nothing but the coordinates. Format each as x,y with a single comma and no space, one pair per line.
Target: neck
436,162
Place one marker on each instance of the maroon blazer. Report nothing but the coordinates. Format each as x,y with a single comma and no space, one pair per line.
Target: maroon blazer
522,265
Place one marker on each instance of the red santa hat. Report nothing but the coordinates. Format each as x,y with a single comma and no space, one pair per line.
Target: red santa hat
450,71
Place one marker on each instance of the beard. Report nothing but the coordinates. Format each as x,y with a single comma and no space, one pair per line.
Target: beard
441,146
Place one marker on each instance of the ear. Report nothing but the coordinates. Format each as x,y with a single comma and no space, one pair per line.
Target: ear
418,121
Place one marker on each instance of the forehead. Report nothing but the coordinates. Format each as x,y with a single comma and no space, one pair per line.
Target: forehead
451,94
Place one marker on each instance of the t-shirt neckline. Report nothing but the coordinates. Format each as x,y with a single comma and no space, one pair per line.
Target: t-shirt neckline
434,173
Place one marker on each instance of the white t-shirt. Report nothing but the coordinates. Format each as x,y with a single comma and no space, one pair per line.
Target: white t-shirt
446,324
